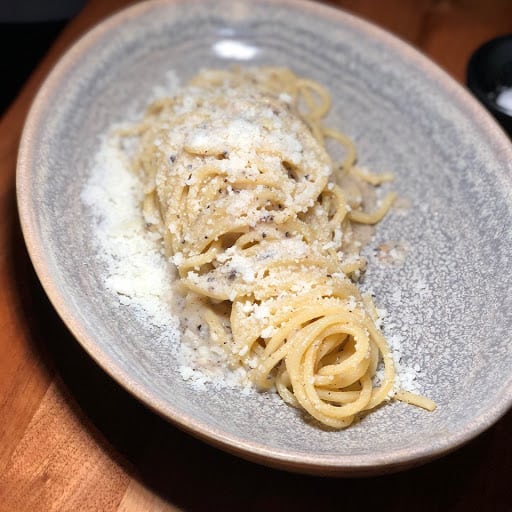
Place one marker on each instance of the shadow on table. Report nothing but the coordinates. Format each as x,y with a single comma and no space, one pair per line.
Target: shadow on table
193,476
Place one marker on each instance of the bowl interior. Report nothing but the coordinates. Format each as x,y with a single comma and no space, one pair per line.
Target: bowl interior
450,300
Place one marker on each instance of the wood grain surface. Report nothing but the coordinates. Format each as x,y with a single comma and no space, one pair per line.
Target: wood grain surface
73,440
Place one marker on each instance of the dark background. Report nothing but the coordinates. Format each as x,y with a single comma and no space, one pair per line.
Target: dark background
27,30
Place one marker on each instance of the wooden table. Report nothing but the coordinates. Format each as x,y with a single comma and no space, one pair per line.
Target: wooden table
73,440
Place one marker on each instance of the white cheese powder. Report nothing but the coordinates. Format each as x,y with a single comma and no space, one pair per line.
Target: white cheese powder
138,273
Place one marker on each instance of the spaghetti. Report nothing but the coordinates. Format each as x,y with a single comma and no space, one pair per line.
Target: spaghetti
262,227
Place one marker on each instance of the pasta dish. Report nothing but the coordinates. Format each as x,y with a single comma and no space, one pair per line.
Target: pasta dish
264,229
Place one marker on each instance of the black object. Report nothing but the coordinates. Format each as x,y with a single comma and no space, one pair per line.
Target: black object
489,72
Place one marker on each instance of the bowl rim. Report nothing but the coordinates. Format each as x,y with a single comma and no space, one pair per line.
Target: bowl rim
346,465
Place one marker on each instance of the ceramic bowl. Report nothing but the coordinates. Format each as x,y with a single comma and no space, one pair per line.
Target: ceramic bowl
449,300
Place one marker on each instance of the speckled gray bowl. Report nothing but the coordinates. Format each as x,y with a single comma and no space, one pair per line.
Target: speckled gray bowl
450,300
